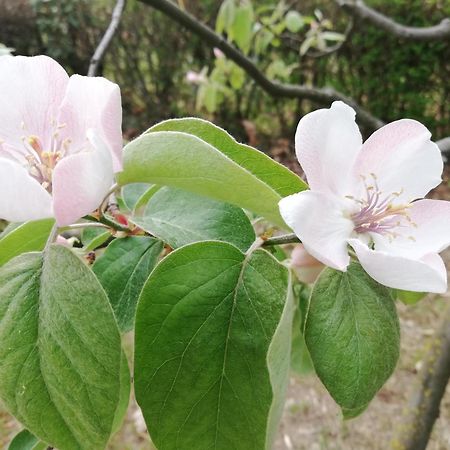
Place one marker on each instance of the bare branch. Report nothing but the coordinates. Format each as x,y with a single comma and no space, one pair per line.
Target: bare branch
106,39
357,8
423,409
323,95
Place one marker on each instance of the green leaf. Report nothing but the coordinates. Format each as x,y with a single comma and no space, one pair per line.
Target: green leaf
93,237
197,156
274,175
409,297
294,21
27,237
131,193
212,345
241,30
352,333
301,363
26,441
60,350
225,17
179,218
124,398
123,270
145,198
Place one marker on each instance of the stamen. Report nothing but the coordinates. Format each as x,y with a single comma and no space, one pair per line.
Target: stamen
378,213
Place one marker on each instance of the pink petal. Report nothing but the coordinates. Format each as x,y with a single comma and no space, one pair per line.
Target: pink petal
81,182
427,274
93,103
403,158
31,91
327,143
429,231
318,221
22,198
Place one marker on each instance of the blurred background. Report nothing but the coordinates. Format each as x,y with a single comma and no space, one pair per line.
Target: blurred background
165,71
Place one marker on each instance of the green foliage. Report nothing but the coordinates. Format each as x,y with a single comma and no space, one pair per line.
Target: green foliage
352,333
212,348
215,166
179,218
26,237
26,441
122,270
60,352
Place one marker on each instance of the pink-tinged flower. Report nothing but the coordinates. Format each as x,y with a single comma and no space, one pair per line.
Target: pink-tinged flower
219,54
367,196
60,140
195,77
305,266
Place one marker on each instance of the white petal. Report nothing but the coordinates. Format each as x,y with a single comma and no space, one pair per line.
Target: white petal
22,198
81,182
317,219
403,158
327,143
31,91
93,103
428,231
427,274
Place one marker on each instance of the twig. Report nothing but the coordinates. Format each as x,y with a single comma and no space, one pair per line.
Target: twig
280,240
52,236
357,8
108,222
100,51
105,201
76,226
423,408
319,95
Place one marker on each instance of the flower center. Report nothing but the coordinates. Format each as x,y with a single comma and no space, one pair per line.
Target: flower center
40,161
377,213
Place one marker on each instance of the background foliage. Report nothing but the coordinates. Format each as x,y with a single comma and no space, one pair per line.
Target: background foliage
151,56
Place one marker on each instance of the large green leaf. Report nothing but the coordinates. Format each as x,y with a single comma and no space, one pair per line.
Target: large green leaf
179,217
213,333
352,333
60,350
123,270
204,159
27,237
278,177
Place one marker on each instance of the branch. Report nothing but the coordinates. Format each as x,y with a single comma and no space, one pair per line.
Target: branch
275,89
100,51
423,408
280,240
359,9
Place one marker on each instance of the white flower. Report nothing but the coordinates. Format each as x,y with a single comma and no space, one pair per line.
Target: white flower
366,196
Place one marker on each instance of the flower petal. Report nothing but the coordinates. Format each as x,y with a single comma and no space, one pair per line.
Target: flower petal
327,143
318,221
22,197
81,182
427,274
428,232
93,103
403,158
31,89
